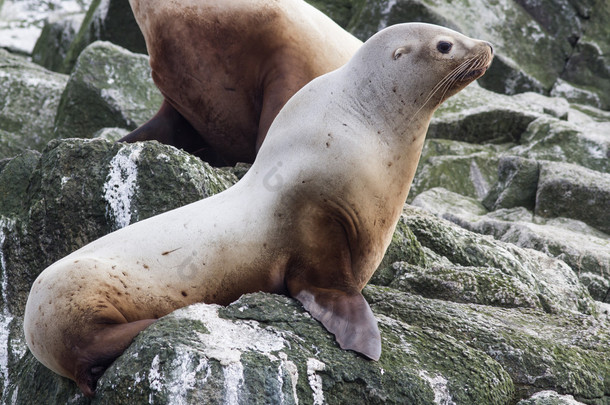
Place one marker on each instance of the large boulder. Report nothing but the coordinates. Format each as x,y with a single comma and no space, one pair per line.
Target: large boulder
29,98
553,282
264,349
76,191
567,190
582,141
565,353
109,87
477,115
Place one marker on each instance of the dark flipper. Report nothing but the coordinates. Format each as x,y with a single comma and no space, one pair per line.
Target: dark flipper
346,315
168,126
102,349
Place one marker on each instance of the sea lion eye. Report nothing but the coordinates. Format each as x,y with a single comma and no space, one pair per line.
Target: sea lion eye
444,46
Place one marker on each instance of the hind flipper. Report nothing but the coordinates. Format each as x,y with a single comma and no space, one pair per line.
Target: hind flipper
168,126
103,347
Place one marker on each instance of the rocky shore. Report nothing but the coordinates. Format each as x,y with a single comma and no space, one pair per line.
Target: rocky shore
495,288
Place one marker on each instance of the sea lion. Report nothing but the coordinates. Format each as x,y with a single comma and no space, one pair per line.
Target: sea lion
312,218
226,68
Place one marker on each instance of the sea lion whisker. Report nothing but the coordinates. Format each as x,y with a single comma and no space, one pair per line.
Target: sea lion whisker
444,82
441,84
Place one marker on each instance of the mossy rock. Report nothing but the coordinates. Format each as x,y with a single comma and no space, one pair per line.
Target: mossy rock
109,87
29,99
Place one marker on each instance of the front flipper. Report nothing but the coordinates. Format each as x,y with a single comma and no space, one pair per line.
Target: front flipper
346,315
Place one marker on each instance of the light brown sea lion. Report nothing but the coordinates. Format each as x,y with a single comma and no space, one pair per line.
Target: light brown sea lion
312,218
226,68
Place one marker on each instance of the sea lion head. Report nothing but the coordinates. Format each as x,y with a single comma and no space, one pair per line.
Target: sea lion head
419,65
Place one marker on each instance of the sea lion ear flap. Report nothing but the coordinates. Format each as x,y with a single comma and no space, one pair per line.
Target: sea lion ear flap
401,51
346,315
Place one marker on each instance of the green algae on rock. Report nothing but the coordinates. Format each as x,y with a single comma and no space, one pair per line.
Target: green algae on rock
566,352
99,94
585,249
568,190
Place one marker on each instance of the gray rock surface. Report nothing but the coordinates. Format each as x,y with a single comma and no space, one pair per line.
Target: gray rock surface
585,249
567,190
29,98
101,94
549,398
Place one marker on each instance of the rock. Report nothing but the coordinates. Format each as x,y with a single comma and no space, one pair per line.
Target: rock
551,281
265,349
568,190
439,201
582,142
29,98
550,398
476,285
57,34
111,134
21,21
109,87
565,352
477,115
106,20
458,166
77,191
575,94
589,66
517,184
15,176
585,249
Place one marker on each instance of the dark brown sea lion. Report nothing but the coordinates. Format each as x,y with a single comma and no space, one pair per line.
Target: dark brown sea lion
226,68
